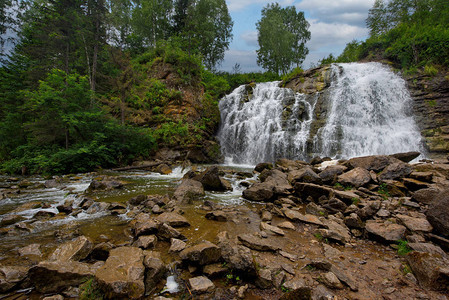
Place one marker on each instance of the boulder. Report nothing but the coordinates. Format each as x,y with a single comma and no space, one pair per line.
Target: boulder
427,248
406,156
11,219
144,224
262,166
189,190
210,179
345,277
422,176
297,216
137,200
259,192
155,270
76,250
373,162
297,290
105,184
271,228
357,177
237,257
438,213
425,196
177,245
30,250
165,232
354,221
415,224
146,241
217,216
215,270
56,276
203,253
330,280
201,284
253,242
163,169
173,219
335,231
11,276
122,276
395,171
430,270
329,174
414,185
388,232
305,174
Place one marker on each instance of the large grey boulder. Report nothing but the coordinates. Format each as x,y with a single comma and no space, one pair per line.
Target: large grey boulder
395,171
122,276
331,172
357,177
189,190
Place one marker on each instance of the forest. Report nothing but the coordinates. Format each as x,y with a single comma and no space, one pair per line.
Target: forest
101,83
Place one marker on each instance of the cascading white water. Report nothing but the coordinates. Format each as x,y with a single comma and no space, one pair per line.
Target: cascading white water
368,113
271,122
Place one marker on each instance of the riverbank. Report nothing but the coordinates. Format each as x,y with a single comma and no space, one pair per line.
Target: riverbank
367,228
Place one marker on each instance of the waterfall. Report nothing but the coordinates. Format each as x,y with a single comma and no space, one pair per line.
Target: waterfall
368,112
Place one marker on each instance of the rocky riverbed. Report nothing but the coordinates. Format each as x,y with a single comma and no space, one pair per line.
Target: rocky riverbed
372,227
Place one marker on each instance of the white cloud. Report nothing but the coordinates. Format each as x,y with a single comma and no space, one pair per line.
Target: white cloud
341,11
332,35
250,38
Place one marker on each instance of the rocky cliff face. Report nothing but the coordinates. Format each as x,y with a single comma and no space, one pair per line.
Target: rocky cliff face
431,108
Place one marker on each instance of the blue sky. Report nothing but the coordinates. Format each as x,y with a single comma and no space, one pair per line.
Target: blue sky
333,23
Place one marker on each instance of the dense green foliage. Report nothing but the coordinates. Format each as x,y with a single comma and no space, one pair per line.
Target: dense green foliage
282,34
412,34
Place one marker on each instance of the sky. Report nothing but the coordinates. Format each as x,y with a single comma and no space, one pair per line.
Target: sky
333,23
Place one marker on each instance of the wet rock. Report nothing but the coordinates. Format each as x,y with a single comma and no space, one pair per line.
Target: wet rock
406,156
438,213
155,270
262,166
305,174
189,190
266,216
210,179
163,169
297,290
297,216
44,215
256,243
425,196
144,225
203,254
395,170
415,224
271,228
11,219
237,257
427,248
330,174
76,250
201,284
30,250
66,207
357,177
101,251
11,276
105,184
98,207
146,241
217,216
56,276
331,281
173,219
176,245
374,162
122,276
389,232
54,297
432,271
137,200
259,192
165,232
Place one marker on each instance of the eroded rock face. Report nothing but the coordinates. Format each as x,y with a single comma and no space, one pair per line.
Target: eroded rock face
122,276
432,271
438,213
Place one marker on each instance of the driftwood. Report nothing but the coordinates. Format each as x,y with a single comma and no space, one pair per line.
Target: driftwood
153,164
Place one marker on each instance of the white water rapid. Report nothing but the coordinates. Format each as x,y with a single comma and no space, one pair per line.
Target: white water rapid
368,111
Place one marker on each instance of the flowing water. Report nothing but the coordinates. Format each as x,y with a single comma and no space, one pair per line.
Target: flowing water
368,112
